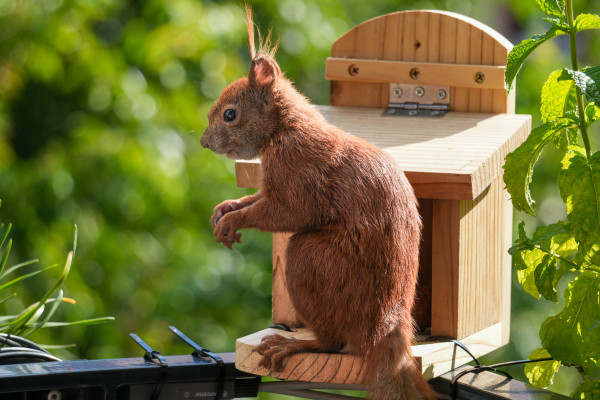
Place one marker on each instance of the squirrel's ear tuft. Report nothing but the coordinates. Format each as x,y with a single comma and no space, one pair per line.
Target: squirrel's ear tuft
263,72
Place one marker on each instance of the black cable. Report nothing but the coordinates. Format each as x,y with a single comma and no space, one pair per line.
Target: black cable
24,352
22,342
478,366
15,348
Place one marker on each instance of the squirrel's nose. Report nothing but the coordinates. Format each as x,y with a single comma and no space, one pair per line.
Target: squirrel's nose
204,140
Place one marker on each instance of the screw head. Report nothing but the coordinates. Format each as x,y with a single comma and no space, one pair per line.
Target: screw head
412,113
479,77
419,91
397,92
414,73
353,70
441,94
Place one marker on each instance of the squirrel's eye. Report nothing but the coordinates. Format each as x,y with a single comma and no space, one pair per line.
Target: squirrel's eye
229,115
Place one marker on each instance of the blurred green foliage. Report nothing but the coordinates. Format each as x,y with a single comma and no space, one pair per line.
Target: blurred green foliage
102,105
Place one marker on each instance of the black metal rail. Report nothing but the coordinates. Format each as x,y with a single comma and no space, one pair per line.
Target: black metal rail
205,375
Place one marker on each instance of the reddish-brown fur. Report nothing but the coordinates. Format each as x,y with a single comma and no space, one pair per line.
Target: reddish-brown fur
352,261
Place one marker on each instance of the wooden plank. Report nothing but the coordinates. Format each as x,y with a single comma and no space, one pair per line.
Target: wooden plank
454,157
445,268
469,269
436,358
283,310
459,75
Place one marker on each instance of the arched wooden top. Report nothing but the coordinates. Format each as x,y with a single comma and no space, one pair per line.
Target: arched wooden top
428,37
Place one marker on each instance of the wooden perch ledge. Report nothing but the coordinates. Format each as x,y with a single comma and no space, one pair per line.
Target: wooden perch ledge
436,358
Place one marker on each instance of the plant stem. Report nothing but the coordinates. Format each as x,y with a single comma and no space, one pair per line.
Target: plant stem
575,67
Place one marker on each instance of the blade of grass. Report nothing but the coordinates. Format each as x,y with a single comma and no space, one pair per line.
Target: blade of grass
23,277
16,267
26,316
75,240
5,234
55,303
5,256
7,298
81,322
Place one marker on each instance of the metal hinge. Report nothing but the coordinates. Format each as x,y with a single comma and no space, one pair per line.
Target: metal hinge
418,100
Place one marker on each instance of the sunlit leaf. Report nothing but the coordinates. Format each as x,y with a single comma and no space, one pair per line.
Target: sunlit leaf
573,335
518,167
588,81
592,113
587,21
552,7
543,259
579,184
520,52
558,98
540,374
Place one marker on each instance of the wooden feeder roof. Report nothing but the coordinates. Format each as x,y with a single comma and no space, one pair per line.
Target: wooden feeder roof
455,157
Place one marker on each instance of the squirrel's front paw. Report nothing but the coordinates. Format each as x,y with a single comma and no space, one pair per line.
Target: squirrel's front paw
226,231
225,207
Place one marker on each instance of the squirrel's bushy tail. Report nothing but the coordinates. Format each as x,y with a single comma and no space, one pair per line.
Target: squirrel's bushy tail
394,373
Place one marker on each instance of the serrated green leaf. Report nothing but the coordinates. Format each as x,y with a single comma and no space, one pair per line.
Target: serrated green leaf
587,81
518,166
542,257
589,390
573,336
579,185
558,98
520,52
540,374
552,7
589,250
544,278
587,21
592,113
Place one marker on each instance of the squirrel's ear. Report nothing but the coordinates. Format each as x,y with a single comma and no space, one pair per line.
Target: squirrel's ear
263,72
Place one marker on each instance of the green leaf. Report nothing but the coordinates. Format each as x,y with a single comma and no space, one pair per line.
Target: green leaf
579,184
558,98
589,390
518,167
520,52
552,7
592,113
544,278
543,259
573,336
587,81
587,21
540,374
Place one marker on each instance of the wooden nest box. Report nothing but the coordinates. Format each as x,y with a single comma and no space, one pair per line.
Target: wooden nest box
427,87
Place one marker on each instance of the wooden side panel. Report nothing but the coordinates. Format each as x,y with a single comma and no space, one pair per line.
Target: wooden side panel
431,36
483,265
283,310
470,266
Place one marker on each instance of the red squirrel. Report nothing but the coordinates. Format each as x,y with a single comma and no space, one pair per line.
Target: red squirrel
352,260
